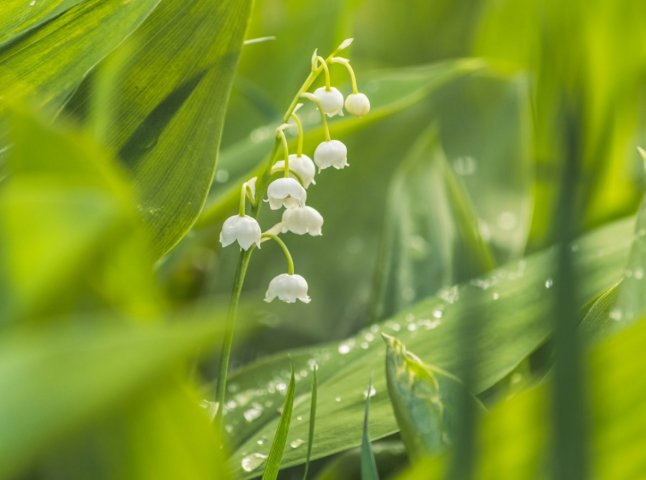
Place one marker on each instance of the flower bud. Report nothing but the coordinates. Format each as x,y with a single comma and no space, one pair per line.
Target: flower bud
287,288
302,220
302,166
242,229
285,192
357,104
331,101
332,153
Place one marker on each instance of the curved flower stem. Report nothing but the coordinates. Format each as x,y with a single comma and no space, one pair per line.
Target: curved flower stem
288,256
283,139
323,63
326,128
299,126
243,200
227,343
346,63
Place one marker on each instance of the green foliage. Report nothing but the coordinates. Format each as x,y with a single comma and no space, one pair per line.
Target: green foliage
368,463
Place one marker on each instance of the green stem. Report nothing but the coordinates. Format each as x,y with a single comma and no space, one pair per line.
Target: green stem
299,127
328,82
288,256
326,128
353,78
227,343
243,200
283,140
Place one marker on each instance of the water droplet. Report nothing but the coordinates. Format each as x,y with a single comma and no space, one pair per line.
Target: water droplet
369,393
450,294
507,221
495,295
252,461
638,274
616,314
210,407
394,326
364,345
281,387
221,176
296,443
32,3
437,313
252,413
260,441
549,283
337,399
299,418
465,165
429,324
411,327
346,347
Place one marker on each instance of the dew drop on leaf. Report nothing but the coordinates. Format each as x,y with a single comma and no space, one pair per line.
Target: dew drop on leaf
252,461
296,443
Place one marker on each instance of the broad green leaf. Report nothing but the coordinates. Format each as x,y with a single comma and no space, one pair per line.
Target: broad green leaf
169,108
280,437
431,237
513,439
68,229
424,400
46,65
515,298
57,381
390,91
18,18
368,463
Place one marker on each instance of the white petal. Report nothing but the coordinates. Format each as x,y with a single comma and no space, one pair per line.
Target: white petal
357,104
301,165
331,100
244,230
287,288
331,153
286,192
302,220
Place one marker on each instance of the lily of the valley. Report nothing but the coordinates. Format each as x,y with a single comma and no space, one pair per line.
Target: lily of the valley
330,100
285,192
357,104
242,229
302,220
287,288
302,166
331,153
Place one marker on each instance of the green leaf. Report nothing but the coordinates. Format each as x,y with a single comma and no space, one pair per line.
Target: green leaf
48,64
310,433
280,438
169,108
431,235
515,298
424,400
390,456
513,440
68,228
57,381
368,464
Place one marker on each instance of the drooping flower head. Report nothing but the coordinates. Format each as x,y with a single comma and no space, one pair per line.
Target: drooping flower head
302,220
357,104
302,166
287,288
286,192
242,229
331,153
330,100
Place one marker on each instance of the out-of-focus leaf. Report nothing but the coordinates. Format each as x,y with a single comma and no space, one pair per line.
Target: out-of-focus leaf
280,438
424,399
48,64
513,440
169,108
368,463
56,381
310,433
515,298
155,435
389,456
69,234
431,234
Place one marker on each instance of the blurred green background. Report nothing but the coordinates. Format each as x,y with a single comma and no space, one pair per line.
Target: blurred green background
126,129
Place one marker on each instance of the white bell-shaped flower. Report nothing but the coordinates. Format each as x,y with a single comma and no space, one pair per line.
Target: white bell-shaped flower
286,192
302,166
287,288
331,101
242,229
357,104
331,153
302,220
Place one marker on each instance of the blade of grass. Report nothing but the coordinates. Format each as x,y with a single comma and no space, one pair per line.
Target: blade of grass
310,436
280,438
368,463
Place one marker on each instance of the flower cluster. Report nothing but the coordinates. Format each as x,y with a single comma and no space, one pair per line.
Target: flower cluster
298,171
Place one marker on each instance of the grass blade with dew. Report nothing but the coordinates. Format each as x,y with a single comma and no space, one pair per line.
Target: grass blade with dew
368,463
280,438
310,437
